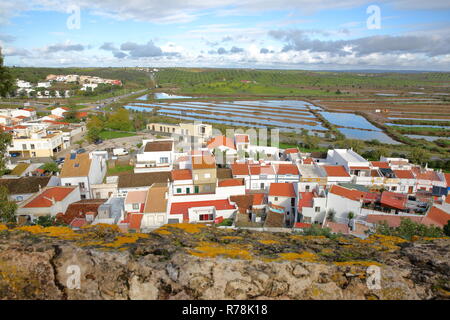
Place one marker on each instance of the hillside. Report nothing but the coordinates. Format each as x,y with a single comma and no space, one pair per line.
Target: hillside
196,262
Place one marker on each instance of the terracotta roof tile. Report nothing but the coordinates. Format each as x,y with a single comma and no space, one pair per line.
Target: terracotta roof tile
394,200
380,164
404,174
241,138
135,221
157,146
286,169
43,199
282,190
182,174
437,217
336,171
351,194
239,169
231,183
220,141
393,220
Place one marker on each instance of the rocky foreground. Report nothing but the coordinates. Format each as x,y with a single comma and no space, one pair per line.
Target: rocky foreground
196,262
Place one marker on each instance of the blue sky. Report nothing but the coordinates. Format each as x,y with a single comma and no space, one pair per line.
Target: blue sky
291,34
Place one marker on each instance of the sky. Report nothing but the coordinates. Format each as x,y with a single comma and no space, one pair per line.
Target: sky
282,34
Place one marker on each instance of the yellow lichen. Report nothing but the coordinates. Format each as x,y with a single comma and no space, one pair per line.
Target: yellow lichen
211,250
231,238
188,227
162,230
305,255
268,241
3,227
357,263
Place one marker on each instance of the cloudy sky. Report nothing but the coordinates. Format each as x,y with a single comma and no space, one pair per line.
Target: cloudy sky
290,34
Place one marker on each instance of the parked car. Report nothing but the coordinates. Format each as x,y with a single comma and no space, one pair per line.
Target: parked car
81,150
98,141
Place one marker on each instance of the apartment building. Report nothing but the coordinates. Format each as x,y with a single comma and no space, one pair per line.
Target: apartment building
30,143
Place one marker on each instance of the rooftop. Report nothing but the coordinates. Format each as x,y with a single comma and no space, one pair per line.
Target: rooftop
76,165
158,146
136,197
44,199
282,190
336,171
156,199
181,174
25,185
135,180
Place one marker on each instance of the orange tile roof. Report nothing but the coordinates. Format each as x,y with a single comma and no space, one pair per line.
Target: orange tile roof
380,164
302,225
258,198
182,174
393,220
291,150
336,171
286,169
282,190
426,175
43,199
404,174
239,169
203,162
241,138
231,183
306,200
394,200
308,161
220,141
359,168
351,194
259,169
437,217
337,227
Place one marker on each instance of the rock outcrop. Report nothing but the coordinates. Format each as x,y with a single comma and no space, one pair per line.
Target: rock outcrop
191,262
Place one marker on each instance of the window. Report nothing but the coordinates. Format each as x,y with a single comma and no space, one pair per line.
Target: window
394,188
178,190
188,190
207,175
67,184
276,198
83,196
32,146
262,185
24,147
135,206
307,188
292,202
164,160
81,184
205,217
196,189
196,177
173,129
317,209
19,198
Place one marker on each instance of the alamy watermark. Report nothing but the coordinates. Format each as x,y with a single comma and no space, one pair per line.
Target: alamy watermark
74,279
374,19
74,20
373,279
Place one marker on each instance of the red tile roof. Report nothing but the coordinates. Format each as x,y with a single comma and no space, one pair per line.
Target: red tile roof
261,170
394,200
305,200
231,183
258,199
203,162
182,207
78,222
426,175
291,150
350,194
82,114
182,174
380,164
337,227
241,138
135,221
220,141
239,169
283,169
43,199
302,225
393,220
359,168
282,190
437,217
308,161
336,171
404,174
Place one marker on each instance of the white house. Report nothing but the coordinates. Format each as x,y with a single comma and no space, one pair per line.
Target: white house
284,195
50,201
59,111
157,155
83,170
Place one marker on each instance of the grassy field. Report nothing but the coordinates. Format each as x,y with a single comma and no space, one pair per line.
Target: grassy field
119,169
426,131
105,135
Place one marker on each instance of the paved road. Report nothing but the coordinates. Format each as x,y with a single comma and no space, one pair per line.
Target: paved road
105,102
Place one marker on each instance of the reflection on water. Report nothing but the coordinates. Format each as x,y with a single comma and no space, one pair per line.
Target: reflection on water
367,135
348,120
428,138
162,95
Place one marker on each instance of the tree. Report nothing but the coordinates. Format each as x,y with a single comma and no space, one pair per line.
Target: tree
419,155
120,120
409,229
93,134
95,122
50,167
46,221
6,80
331,214
351,215
7,208
5,141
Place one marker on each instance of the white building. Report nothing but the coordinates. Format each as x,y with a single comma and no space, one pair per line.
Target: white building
83,170
157,155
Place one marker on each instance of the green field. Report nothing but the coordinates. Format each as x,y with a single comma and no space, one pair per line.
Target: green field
119,169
